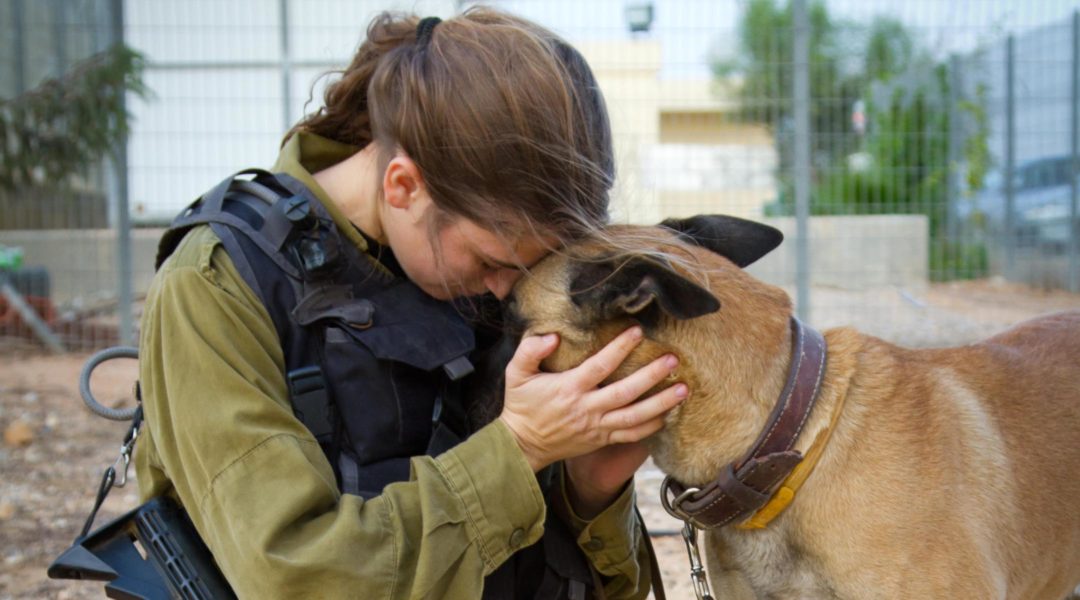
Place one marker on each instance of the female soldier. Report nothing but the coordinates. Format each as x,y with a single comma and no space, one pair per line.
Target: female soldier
448,158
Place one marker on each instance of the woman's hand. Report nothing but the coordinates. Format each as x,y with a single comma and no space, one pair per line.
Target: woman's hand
594,480
555,416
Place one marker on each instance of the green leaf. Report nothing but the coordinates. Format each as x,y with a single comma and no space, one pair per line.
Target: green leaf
66,124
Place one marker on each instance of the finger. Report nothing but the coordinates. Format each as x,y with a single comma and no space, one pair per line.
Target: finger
529,354
653,407
631,387
638,433
602,364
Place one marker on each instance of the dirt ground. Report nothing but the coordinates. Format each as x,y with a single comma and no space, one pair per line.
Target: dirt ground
54,450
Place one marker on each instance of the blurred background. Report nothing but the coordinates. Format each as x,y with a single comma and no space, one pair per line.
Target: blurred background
920,156
926,159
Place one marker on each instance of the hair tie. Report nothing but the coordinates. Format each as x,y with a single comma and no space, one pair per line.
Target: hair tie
424,29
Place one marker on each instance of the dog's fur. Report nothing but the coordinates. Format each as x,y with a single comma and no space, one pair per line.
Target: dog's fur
952,473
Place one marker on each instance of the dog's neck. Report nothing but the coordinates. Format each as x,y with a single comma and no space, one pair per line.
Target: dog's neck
745,487
736,383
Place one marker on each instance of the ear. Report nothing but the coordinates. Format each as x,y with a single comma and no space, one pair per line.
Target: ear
640,287
401,182
740,241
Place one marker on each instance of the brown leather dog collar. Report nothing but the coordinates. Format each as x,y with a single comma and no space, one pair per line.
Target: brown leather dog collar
746,485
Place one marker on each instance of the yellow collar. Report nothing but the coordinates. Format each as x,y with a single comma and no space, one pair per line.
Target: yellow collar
785,494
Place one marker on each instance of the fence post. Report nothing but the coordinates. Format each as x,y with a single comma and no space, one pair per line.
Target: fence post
119,175
953,157
1010,156
1074,132
801,109
58,13
286,63
18,40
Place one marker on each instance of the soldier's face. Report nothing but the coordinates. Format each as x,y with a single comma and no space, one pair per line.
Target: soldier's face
457,257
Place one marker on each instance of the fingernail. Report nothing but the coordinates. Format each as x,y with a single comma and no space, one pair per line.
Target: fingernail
550,338
671,361
681,391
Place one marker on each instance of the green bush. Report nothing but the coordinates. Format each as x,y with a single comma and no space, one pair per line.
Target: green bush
955,260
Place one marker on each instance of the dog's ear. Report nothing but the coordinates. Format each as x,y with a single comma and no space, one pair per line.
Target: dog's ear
639,286
740,241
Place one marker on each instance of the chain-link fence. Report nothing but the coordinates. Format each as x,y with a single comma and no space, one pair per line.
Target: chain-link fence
920,156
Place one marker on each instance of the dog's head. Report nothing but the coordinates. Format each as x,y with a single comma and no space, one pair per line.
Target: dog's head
683,283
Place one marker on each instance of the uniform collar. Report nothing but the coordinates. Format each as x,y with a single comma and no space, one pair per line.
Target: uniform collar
305,153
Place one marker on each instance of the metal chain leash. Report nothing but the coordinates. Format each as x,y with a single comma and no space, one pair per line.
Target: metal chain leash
689,535
697,572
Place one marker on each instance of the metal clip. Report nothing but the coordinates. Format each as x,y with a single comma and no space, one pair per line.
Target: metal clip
125,457
697,572
673,507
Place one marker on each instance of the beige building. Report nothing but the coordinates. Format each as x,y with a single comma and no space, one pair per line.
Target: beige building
679,149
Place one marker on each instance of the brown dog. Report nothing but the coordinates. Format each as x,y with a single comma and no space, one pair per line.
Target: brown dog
946,473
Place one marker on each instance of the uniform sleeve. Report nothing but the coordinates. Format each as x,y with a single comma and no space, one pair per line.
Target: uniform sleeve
612,542
258,487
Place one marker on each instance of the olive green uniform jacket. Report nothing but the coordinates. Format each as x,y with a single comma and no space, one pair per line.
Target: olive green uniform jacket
220,436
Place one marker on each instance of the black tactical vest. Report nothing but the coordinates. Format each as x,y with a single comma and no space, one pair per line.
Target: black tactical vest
374,365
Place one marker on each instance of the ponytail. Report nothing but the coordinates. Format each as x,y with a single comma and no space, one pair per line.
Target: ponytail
502,117
344,115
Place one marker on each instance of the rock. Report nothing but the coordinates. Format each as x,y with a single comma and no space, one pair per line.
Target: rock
30,397
7,511
52,420
18,434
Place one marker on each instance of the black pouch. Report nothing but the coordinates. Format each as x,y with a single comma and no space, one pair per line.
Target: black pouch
150,553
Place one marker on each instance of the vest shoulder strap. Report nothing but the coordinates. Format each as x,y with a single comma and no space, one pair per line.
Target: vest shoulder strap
258,221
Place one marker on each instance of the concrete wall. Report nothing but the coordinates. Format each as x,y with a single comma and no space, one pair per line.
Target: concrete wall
857,252
82,264
854,252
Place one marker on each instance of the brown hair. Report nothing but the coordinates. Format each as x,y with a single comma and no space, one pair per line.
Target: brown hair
502,117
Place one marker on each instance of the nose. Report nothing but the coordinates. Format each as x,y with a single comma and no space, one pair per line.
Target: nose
501,282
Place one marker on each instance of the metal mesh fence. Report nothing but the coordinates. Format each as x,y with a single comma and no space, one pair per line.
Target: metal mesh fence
46,41
939,174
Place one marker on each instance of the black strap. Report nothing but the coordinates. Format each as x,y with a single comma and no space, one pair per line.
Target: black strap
266,212
310,401
654,567
109,477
